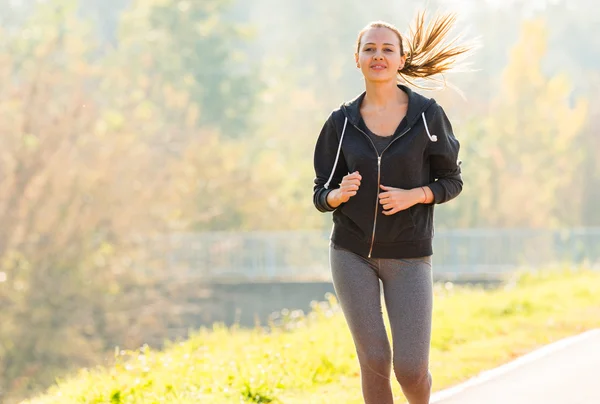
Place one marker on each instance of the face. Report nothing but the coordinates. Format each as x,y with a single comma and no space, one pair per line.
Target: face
378,56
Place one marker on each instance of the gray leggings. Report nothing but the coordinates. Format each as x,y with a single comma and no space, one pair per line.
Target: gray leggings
407,290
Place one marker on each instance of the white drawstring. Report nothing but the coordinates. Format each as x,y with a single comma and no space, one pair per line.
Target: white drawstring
434,137
337,156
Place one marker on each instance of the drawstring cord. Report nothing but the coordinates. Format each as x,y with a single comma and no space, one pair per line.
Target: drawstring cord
337,156
434,137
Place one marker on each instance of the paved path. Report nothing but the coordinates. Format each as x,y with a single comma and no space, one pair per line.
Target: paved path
564,372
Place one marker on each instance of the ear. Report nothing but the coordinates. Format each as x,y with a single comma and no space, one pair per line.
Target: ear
402,61
356,59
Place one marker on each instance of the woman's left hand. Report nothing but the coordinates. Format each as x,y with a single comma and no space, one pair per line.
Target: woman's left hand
395,199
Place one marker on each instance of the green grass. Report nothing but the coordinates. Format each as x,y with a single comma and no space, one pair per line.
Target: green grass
311,359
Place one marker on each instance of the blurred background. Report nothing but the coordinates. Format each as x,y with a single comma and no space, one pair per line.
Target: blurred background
156,161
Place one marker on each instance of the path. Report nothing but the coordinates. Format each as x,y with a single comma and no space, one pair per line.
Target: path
564,372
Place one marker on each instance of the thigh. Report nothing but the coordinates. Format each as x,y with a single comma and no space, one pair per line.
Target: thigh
408,293
356,284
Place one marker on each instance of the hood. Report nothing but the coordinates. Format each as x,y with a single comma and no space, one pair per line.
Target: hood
417,104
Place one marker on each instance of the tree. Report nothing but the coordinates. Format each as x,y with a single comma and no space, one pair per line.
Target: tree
198,50
524,160
85,180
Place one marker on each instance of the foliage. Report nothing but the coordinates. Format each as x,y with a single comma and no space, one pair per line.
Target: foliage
198,51
526,153
84,182
300,359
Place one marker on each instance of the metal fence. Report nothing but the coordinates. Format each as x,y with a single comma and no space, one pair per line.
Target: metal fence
303,255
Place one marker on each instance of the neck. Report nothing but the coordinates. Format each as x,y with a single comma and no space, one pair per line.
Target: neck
380,95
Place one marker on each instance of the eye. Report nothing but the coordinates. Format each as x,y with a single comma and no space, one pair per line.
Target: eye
388,50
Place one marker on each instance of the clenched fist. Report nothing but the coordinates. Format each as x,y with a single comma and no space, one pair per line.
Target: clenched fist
348,188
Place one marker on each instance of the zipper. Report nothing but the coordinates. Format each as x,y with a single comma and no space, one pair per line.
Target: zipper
376,203
378,178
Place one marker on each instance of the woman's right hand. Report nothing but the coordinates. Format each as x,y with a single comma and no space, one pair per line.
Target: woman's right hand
348,188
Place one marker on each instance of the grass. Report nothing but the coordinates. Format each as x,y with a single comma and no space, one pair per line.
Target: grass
311,358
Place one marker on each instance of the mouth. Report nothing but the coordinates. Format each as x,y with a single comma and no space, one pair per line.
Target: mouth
378,67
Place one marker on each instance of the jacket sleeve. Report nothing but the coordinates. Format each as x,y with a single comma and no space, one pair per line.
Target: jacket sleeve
324,158
443,159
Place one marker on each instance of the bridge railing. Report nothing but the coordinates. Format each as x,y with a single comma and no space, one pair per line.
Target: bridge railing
303,255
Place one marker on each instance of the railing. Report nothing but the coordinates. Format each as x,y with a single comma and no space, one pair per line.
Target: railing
303,255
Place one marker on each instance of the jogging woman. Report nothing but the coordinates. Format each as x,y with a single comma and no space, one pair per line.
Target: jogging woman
382,161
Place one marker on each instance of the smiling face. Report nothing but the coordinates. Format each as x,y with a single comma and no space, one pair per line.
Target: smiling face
379,54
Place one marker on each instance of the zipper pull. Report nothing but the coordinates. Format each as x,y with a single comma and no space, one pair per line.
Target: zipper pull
378,161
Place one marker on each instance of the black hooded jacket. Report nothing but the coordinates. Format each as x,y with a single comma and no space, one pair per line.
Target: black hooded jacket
425,152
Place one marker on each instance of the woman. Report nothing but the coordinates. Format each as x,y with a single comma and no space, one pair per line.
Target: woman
382,161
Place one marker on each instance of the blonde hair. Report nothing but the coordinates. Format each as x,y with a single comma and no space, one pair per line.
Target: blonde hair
429,52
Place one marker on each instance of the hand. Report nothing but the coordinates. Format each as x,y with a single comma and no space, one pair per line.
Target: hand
395,199
348,188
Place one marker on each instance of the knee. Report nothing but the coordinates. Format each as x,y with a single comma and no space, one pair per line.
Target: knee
412,377
378,361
